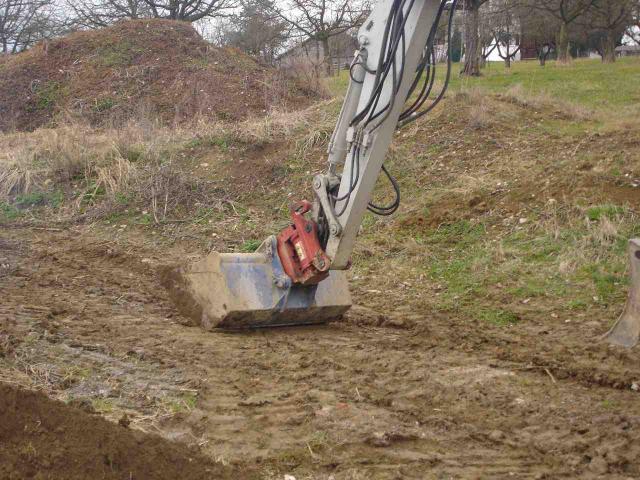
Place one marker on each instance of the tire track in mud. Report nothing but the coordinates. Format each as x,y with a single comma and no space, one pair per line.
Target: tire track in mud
55,309
351,401
569,351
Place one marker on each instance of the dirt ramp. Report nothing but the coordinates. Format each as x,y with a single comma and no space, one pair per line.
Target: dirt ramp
44,439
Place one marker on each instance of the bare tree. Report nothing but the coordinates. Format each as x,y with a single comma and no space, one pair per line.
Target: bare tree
566,12
539,28
606,23
633,30
256,30
188,10
320,20
472,45
504,25
24,22
99,13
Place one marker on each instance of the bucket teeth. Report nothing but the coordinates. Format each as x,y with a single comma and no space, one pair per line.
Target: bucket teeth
250,290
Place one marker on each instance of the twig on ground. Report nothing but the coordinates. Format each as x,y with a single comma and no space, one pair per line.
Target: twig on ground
550,375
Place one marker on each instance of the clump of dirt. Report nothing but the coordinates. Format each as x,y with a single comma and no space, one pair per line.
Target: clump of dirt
154,68
46,439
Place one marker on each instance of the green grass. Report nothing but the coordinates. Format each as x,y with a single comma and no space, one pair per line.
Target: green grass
604,211
501,318
39,198
185,403
606,280
103,405
48,95
589,83
14,209
205,216
250,246
209,141
118,54
123,198
92,193
103,104
481,272
145,219
8,212
585,82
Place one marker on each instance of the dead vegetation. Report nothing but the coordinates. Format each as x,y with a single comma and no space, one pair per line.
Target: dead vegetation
141,166
309,76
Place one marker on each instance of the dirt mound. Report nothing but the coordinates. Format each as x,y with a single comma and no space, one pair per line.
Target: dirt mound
45,439
156,68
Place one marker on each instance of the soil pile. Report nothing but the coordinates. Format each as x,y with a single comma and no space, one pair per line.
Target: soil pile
152,68
45,439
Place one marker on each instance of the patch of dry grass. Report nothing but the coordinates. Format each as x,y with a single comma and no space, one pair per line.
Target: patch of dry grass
143,165
308,77
543,100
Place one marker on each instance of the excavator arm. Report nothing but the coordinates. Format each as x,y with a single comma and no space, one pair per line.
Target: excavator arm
394,43
297,277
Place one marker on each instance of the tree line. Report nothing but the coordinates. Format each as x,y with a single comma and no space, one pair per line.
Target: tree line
265,28
558,27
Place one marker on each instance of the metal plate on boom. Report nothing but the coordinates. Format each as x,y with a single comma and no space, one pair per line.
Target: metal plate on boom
250,290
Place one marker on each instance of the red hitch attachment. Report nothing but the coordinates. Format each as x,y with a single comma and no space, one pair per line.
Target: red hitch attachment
299,248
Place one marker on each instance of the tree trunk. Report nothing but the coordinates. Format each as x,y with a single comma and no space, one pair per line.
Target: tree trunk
471,39
543,59
328,64
609,48
563,45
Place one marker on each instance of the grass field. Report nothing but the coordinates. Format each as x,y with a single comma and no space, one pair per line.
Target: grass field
588,83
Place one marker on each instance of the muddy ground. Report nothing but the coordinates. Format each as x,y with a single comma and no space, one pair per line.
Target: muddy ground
399,395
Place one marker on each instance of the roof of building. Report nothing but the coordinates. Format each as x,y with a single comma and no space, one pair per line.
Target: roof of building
628,48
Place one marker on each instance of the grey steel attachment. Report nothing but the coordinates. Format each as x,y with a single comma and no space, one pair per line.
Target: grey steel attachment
626,331
322,185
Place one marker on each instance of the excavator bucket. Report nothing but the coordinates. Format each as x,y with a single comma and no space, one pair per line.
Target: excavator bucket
626,331
251,290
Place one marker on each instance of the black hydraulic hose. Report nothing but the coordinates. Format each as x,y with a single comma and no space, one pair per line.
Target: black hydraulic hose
440,96
347,197
392,48
393,207
394,36
381,59
429,55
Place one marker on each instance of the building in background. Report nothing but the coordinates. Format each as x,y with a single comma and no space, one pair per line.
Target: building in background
628,51
341,50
